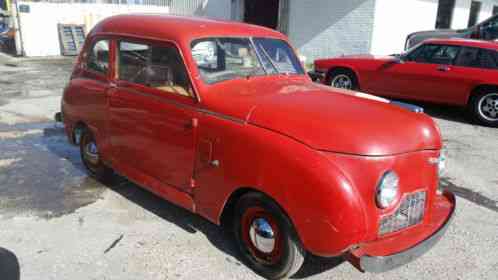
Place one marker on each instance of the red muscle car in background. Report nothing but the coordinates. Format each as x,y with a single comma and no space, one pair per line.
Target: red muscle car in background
451,71
220,118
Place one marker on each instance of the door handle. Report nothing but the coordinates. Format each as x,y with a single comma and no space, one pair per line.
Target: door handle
443,68
190,125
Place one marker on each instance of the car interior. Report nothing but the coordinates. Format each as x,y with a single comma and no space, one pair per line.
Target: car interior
152,66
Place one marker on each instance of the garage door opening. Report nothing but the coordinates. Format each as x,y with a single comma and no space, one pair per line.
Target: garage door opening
262,12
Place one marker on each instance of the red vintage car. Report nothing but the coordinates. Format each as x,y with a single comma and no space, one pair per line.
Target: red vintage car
221,119
451,71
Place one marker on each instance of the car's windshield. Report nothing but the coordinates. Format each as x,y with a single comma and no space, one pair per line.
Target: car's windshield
225,58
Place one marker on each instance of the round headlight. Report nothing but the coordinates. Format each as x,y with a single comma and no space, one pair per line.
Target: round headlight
387,190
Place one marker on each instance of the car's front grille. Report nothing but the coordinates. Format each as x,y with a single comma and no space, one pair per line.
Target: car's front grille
410,212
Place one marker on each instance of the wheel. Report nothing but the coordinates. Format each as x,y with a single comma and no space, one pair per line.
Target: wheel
343,78
484,107
90,157
266,238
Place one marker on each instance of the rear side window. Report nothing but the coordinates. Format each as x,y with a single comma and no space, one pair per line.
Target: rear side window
98,57
478,58
436,54
159,67
488,59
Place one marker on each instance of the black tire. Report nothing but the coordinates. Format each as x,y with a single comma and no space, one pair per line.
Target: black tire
334,74
94,165
481,111
287,255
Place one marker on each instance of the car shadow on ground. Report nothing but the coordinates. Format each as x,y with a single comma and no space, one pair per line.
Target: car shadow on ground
220,237
445,112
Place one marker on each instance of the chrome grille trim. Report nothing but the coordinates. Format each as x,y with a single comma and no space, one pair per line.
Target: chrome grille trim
410,212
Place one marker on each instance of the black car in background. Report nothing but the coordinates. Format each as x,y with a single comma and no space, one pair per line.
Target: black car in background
486,30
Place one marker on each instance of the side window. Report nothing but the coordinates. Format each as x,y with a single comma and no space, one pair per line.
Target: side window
436,54
159,67
167,72
445,55
98,57
478,58
132,65
468,57
488,59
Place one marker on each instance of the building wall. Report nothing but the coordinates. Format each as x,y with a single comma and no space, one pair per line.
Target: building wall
217,9
462,12
395,19
39,27
324,28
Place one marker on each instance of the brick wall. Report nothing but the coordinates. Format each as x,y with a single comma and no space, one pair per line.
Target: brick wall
325,28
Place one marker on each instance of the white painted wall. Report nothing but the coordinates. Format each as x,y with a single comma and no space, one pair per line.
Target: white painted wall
325,28
395,19
462,12
39,27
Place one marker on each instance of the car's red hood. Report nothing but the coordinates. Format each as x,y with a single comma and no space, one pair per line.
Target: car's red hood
331,119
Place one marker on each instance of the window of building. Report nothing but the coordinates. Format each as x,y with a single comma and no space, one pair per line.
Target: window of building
445,14
475,9
477,58
98,57
159,67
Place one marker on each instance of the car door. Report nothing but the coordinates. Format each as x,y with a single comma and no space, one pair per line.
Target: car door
153,113
91,82
424,74
472,66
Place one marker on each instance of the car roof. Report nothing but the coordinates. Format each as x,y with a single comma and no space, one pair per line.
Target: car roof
178,28
465,43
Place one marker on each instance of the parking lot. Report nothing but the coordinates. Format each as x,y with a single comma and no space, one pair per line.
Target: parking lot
61,224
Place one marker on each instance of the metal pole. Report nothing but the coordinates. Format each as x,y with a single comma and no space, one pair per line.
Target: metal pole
18,18
7,5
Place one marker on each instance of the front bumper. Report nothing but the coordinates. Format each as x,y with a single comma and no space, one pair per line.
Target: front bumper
369,258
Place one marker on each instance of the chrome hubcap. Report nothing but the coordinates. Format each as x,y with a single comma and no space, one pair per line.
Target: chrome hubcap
342,81
91,153
262,236
488,107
